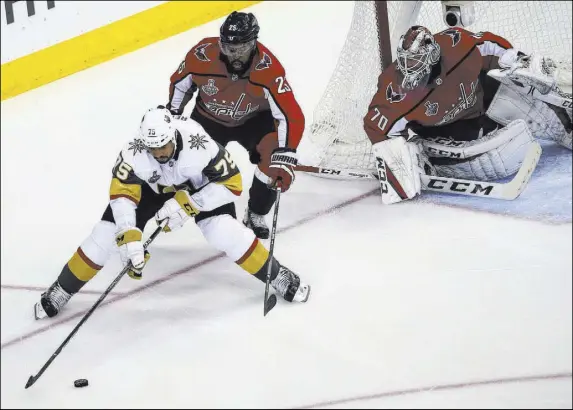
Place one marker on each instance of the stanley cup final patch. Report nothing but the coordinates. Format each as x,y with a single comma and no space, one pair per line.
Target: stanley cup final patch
154,178
431,108
210,89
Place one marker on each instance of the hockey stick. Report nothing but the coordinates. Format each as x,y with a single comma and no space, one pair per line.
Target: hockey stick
271,301
33,379
497,190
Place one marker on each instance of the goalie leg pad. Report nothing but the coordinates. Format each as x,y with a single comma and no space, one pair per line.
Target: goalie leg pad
544,121
397,162
499,162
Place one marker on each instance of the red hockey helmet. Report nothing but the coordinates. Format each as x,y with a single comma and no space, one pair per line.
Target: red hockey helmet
417,53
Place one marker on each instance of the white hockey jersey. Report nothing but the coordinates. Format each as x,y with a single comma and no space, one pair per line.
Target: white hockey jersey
200,166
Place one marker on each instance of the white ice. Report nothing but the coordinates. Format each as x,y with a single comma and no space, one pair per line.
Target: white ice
413,305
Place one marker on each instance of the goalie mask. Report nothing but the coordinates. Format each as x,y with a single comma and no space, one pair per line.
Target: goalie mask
158,134
417,53
238,41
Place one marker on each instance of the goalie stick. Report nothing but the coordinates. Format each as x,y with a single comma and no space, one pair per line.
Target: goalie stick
497,190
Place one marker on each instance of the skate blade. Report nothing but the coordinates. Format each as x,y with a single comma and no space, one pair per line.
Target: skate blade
39,312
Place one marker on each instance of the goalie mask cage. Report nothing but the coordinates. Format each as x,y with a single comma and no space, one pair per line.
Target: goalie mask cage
336,138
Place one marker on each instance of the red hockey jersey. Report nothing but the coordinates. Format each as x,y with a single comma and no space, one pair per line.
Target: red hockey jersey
231,100
454,94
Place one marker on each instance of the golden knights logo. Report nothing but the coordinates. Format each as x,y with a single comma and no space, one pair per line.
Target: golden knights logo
197,141
137,146
210,89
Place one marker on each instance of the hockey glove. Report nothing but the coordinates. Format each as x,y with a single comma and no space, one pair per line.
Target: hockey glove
131,250
542,73
281,169
178,209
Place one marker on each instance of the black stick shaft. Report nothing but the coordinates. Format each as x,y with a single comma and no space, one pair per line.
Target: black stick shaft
33,379
270,304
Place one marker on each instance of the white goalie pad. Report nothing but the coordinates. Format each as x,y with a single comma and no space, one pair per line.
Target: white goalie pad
544,121
500,154
397,163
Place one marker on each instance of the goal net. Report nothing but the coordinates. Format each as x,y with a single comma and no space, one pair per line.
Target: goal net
336,138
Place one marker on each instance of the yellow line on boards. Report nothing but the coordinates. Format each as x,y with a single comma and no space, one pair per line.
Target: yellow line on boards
107,42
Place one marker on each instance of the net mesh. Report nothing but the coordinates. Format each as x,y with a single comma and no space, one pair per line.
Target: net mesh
336,135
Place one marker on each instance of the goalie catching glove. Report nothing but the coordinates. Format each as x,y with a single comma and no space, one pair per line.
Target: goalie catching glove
131,250
281,169
550,79
178,209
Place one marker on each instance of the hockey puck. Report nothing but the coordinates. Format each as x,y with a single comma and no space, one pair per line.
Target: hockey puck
81,383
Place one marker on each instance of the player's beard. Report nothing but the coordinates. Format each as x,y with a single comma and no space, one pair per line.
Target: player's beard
162,160
238,66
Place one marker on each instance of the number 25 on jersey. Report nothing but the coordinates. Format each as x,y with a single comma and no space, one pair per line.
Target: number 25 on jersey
283,85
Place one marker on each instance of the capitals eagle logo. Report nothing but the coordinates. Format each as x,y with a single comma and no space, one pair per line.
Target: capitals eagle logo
200,52
454,34
264,63
392,96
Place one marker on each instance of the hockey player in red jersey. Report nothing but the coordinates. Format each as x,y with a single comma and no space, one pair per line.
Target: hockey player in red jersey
243,95
440,109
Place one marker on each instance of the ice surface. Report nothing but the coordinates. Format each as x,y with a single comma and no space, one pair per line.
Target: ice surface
412,305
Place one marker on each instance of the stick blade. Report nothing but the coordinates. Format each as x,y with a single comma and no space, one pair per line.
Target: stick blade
30,381
270,303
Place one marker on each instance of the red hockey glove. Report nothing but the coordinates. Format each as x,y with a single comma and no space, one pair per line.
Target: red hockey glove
281,169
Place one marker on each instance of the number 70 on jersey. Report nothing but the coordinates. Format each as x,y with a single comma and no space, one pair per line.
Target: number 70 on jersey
382,120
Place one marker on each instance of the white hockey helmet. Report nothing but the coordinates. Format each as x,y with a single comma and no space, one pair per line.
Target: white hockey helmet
156,129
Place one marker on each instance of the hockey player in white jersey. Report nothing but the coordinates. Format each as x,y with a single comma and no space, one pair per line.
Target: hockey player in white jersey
173,170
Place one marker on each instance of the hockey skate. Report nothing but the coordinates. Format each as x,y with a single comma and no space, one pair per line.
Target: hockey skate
51,301
257,224
288,285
